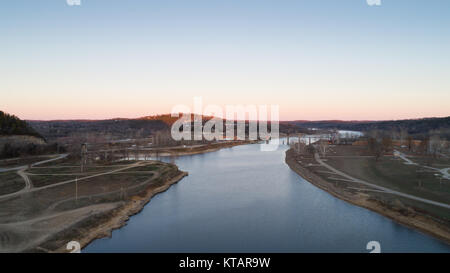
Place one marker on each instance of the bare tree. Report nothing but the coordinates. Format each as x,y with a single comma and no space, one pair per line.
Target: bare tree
410,143
434,145
424,146
323,146
375,148
387,144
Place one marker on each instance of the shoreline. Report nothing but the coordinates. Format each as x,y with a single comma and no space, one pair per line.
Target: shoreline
132,207
417,222
119,216
181,151
97,226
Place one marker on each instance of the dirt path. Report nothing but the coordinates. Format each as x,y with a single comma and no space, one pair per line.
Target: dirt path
384,189
28,184
50,216
403,156
445,171
155,175
19,236
61,156
5,196
21,172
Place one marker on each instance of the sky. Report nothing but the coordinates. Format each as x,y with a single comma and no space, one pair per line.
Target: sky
315,59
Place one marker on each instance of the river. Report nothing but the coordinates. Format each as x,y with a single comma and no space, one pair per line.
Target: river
242,199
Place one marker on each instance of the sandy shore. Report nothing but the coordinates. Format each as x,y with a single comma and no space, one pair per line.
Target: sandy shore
412,220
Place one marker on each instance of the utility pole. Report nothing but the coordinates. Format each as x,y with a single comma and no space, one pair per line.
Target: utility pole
76,189
83,155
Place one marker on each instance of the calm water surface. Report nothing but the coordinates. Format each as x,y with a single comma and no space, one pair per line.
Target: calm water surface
241,199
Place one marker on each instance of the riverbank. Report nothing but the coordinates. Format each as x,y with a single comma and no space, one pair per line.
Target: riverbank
198,149
90,220
120,217
92,226
407,216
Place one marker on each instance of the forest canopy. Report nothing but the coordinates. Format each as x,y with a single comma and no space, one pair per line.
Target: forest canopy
12,125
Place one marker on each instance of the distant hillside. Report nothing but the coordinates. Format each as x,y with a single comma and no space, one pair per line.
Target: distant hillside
118,128
12,125
109,129
167,118
415,127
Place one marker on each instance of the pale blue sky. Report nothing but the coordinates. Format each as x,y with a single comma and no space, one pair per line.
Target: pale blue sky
316,59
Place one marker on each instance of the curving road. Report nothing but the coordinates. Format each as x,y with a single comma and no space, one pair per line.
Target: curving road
384,189
28,184
61,156
69,181
445,172
21,172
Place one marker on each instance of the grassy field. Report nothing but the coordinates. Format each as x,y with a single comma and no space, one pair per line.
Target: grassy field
10,182
391,172
394,174
60,173
36,212
15,162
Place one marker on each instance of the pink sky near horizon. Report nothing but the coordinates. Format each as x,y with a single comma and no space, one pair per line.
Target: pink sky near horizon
334,61
286,113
